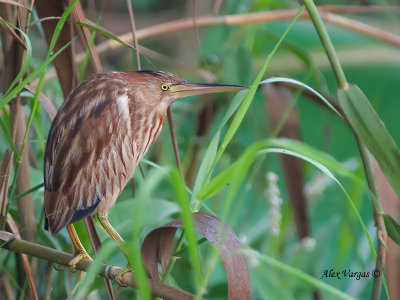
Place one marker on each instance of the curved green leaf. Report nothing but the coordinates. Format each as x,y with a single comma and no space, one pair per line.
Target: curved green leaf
367,124
299,83
393,228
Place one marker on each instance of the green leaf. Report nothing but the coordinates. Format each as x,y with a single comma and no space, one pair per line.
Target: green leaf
7,133
291,271
155,212
237,169
106,251
211,151
299,83
104,32
393,228
327,165
188,223
241,112
367,124
299,149
7,98
315,154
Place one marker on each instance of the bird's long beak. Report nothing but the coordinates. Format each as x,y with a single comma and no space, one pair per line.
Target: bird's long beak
186,89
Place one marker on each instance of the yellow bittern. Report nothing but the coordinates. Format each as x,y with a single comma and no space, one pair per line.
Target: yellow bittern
97,139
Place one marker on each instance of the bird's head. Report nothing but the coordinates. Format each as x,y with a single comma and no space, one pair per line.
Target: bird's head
161,89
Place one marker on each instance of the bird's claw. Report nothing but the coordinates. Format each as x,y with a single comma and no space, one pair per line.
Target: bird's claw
118,275
60,268
77,258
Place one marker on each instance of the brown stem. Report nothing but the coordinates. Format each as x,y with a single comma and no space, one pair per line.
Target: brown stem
133,27
362,28
173,138
11,243
78,14
249,18
379,221
231,20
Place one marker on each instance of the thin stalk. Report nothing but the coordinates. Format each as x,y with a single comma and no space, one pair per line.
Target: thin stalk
173,259
9,242
133,27
379,221
326,42
376,204
32,189
173,139
235,20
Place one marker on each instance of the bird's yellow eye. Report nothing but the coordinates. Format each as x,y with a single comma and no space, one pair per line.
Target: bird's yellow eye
165,87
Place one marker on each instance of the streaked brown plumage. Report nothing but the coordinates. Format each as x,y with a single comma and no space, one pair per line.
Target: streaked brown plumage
97,139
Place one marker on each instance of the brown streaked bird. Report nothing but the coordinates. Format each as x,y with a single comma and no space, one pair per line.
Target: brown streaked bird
97,139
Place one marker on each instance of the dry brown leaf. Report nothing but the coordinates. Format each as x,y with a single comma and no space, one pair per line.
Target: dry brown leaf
5,236
64,62
157,247
84,37
11,31
14,3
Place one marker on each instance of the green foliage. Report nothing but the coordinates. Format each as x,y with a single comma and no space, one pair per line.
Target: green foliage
237,150
366,122
393,228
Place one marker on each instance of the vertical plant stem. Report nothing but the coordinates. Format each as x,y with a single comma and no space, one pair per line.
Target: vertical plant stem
174,141
379,221
326,42
377,207
133,26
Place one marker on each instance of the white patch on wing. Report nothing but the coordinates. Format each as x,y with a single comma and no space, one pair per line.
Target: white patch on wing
123,106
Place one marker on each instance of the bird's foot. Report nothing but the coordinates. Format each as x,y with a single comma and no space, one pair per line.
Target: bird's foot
118,275
79,255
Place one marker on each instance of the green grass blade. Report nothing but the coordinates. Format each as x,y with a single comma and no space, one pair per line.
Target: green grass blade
303,85
31,190
325,163
393,228
7,98
133,245
328,172
188,223
106,251
237,169
251,254
35,104
367,124
28,56
315,154
241,166
7,133
56,34
238,118
212,149
105,33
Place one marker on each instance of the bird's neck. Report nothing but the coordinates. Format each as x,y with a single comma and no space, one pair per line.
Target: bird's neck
146,126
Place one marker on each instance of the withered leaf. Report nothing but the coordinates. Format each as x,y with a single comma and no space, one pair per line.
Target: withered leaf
157,248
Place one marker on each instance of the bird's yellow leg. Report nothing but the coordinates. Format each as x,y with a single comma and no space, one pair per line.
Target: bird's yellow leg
80,252
116,237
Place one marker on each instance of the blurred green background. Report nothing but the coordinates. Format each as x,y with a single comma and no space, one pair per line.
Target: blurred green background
234,55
